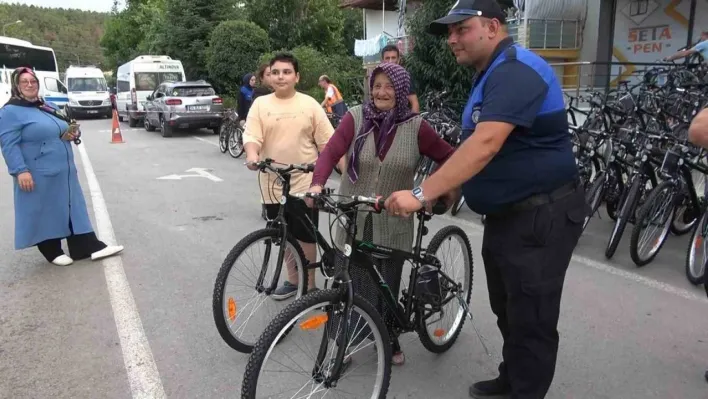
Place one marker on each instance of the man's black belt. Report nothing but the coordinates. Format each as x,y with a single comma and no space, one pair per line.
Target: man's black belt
543,199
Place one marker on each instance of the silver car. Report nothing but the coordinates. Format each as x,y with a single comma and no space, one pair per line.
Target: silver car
183,105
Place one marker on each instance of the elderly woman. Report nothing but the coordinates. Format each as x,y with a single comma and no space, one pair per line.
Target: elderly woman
35,137
383,141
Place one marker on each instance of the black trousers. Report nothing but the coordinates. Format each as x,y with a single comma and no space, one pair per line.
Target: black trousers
81,246
526,255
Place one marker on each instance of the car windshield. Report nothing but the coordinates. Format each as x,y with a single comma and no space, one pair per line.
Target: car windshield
148,81
87,84
192,91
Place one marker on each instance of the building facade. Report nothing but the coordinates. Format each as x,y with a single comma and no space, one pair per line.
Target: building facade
589,42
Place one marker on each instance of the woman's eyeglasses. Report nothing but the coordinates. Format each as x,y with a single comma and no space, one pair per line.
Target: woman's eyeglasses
25,82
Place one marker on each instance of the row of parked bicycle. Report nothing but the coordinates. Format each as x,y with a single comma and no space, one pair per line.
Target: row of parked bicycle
634,157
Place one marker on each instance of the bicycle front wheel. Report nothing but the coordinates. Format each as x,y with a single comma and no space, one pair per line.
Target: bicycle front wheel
653,224
440,324
243,302
223,137
697,253
301,365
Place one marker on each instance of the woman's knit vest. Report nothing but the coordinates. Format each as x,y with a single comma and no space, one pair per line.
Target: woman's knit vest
382,178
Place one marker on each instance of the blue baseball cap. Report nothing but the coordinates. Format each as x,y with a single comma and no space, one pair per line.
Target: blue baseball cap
465,9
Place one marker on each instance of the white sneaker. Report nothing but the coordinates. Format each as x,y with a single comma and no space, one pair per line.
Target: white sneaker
62,260
106,252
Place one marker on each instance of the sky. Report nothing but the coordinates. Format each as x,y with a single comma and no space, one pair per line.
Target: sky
88,5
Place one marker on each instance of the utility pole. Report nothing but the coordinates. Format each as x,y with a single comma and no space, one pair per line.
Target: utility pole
8,24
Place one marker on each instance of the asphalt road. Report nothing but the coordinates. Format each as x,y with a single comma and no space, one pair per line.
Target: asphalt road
140,325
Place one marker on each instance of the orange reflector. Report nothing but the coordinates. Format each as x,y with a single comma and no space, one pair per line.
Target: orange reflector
439,332
314,322
232,309
699,242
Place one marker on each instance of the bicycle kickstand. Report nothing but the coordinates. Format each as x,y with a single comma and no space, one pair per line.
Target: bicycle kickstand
469,313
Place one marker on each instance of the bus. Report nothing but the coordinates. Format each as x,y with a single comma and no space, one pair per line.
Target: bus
139,78
15,53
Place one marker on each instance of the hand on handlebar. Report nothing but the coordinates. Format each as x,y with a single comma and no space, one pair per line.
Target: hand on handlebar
252,165
402,203
313,190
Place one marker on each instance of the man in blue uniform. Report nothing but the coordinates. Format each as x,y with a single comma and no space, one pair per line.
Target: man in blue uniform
516,166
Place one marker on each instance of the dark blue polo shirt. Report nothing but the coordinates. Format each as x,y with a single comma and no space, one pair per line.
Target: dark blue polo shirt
519,88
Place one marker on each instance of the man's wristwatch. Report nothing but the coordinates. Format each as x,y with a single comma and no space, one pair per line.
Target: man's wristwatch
418,193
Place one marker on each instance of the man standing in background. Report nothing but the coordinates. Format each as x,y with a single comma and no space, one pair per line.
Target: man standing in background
391,54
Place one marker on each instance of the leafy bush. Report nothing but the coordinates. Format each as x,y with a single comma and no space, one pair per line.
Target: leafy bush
229,102
233,51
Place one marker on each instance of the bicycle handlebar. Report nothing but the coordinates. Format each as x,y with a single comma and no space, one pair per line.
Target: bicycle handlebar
267,165
378,202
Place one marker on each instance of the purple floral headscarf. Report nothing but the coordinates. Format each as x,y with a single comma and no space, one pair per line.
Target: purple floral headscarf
385,121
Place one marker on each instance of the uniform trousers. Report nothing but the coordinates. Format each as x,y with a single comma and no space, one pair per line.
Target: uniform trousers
526,252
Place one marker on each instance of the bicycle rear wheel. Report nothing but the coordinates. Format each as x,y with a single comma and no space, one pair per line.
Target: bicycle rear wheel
242,311
236,142
316,313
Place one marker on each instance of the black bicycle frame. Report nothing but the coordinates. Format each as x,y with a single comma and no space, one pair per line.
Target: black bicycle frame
342,278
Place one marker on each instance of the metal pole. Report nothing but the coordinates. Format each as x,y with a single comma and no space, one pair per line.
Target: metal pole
560,43
578,77
383,16
691,24
577,33
545,34
10,24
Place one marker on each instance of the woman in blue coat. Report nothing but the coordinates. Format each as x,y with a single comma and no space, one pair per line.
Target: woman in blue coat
35,138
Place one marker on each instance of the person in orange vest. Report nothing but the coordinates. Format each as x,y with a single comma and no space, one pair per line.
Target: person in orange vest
333,101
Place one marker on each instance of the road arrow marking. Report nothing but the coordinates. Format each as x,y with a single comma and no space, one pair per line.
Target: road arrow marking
196,172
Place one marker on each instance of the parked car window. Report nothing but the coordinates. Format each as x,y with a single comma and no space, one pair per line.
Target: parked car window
150,80
192,91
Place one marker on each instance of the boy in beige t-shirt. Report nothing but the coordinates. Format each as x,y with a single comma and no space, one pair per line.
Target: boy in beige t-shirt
288,127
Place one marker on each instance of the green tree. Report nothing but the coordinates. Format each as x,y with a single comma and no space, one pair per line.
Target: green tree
353,29
234,48
431,62
315,23
190,24
120,39
73,34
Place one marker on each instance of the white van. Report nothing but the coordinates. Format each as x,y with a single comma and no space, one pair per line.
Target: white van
138,79
88,92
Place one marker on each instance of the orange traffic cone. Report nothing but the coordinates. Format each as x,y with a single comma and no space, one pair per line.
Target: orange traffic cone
116,136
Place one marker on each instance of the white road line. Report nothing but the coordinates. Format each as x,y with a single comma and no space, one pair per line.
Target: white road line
649,282
206,141
605,267
143,376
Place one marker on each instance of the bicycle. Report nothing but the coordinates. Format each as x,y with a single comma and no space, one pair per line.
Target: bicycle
430,289
231,135
225,307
